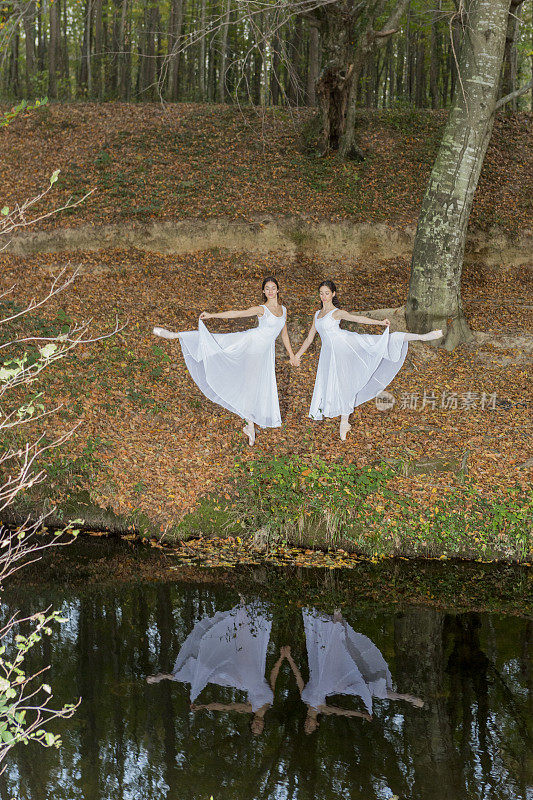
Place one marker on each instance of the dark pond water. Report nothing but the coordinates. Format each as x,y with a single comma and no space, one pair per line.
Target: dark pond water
131,740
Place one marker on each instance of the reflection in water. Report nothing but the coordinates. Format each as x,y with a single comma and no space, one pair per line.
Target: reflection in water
341,661
228,649
471,740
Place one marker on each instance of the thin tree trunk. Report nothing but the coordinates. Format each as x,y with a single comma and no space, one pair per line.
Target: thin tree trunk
293,88
53,49
510,58
434,298
275,76
368,40
29,36
314,65
388,85
124,54
257,61
201,53
65,59
223,54
420,83
435,55
85,77
420,664
14,82
174,54
98,46
400,67
41,37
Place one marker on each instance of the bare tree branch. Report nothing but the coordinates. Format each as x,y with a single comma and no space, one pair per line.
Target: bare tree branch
508,97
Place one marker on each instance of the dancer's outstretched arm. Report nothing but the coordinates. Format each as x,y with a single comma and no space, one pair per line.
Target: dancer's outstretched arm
287,343
275,672
242,708
254,311
343,712
409,698
349,317
161,676
286,652
307,343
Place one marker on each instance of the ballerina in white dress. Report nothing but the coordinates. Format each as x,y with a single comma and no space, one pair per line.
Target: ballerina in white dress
237,370
228,649
352,367
341,661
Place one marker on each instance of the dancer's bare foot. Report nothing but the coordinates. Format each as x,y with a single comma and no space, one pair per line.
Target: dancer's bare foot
343,429
162,676
249,431
428,337
165,334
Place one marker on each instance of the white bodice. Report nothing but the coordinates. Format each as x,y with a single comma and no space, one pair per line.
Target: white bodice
270,323
327,324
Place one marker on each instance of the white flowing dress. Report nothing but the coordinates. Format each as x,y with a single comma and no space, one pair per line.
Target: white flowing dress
342,661
353,367
228,649
237,370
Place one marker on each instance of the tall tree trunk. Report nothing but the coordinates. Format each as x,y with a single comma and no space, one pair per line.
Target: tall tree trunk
149,64
388,86
41,37
85,71
201,53
510,57
221,86
29,36
400,67
294,63
313,65
98,47
257,61
434,298
367,40
420,664
64,55
420,92
53,49
14,82
435,56
174,44
275,83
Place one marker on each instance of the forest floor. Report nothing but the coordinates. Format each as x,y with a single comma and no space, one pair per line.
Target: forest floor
153,162
153,449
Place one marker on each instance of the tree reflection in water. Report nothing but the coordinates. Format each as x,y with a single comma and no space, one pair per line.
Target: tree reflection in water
130,740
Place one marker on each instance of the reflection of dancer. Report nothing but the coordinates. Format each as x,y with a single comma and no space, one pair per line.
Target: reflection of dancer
353,367
341,661
237,370
228,649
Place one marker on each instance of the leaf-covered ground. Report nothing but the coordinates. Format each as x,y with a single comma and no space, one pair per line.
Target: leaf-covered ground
187,160
150,441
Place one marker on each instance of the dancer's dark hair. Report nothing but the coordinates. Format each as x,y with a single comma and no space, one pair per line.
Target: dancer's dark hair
269,279
331,286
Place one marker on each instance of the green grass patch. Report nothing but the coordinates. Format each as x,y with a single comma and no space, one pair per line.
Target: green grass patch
308,501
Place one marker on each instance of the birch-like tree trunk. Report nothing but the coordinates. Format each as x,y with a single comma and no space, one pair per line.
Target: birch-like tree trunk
29,39
366,40
53,49
201,53
434,298
223,54
314,65
510,56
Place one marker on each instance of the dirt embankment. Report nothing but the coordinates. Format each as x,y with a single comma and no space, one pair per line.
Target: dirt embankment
292,236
